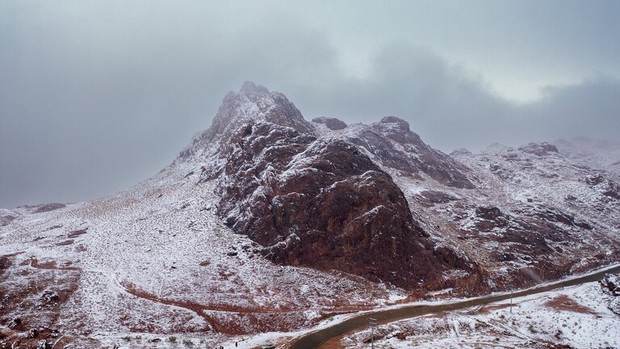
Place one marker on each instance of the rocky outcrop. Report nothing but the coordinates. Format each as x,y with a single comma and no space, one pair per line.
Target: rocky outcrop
49,207
331,123
250,105
6,217
314,202
321,195
396,146
539,149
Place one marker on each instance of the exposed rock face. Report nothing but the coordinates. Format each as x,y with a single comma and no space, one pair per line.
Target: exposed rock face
316,202
540,149
5,263
539,215
326,197
433,197
252,104
395,146
49,207
6,217
331,123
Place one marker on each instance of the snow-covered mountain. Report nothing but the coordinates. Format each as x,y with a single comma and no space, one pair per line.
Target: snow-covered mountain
602,155
267,221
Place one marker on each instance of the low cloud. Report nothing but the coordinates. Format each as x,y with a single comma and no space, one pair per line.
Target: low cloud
590,109
92,103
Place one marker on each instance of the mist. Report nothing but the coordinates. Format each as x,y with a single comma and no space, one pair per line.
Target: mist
96,96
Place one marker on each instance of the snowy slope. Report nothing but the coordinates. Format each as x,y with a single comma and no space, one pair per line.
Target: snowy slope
602,155
575,317
155,259
158,263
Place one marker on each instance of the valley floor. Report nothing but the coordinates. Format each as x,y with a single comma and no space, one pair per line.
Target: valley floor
574,317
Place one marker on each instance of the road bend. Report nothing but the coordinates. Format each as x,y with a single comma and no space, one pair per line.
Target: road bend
318,338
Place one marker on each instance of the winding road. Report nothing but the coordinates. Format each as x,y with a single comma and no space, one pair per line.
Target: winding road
320,337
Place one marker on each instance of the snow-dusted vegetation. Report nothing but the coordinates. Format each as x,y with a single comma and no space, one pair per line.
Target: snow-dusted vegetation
575,317
268,223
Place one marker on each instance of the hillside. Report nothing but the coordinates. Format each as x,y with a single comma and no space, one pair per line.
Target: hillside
270,222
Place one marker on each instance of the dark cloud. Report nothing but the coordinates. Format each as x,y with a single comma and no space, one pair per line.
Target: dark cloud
97,96
591,109
448,106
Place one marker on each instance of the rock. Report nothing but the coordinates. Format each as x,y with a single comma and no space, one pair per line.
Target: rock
401,124
432,197
612,190
394,145
461,152
329,208
614,305
314,202
552,214
539,149
489,212
594,179
5,263
16,324
49,296
76,233
252,104
612,283
6,219
49,207
331,123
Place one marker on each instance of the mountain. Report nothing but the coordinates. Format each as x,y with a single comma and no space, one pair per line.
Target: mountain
269,222
320,201
602,155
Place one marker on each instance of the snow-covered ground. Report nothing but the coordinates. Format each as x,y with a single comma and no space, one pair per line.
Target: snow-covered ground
155,262
154,266
576,316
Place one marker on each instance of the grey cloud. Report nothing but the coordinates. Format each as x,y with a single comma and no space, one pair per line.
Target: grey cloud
451,107
591,109
88,108
445,104
97,96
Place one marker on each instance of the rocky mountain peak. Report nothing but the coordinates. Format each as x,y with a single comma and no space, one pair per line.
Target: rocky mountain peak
211,245
318,200
540,149
398,122
331,123
250,90
394,145
255,103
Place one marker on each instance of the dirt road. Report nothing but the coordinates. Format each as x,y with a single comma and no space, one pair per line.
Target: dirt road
318,338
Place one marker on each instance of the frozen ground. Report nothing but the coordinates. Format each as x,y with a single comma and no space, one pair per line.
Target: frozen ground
153,267
578,317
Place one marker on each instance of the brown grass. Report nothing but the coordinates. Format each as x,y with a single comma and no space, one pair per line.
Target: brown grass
565,303
230,319
50,265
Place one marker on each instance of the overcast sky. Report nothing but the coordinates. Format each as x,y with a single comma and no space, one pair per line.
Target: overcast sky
98,95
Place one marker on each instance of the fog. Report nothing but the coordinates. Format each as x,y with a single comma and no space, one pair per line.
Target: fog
98,95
